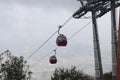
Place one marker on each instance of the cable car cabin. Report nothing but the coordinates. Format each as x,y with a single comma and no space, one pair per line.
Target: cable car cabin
53,59
61,40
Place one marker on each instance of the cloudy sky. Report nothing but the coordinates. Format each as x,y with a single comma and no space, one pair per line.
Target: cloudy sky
27,24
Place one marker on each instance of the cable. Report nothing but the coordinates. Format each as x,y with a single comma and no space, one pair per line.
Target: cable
68,39
79,30
67,20
42,45
49,38
44,57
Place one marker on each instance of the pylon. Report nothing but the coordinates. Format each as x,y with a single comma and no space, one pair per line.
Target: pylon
118,53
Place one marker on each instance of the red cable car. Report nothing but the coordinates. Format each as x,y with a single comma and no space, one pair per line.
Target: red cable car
61,40
53,59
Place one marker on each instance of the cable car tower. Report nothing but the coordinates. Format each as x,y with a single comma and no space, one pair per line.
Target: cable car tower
98,9
118,52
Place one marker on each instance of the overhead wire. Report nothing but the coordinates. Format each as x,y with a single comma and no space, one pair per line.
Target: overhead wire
67,21
48,39
68,39
41,45
44,57
79,30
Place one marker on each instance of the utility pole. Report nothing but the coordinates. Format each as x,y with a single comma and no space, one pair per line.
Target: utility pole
114,39
97,53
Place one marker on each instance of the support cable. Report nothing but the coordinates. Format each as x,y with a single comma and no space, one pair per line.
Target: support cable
42,45
58,47
79,30
48,38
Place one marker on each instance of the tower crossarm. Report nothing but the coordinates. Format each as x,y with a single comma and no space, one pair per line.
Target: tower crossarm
101,7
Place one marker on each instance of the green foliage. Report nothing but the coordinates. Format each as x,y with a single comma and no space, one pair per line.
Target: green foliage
13,68
107,76
69,74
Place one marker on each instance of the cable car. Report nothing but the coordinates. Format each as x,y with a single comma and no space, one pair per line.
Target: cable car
61,40
53,59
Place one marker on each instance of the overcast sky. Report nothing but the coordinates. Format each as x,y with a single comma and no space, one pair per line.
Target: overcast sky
26,24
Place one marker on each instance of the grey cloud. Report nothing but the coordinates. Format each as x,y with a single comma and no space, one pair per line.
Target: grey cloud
68,4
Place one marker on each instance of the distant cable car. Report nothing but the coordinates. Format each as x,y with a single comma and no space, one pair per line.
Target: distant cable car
53,59
61,40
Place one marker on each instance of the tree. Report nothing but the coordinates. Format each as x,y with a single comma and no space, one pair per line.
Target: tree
69,74
12,67
107,76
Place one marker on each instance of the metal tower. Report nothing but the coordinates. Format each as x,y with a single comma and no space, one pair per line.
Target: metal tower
98,9
118,53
